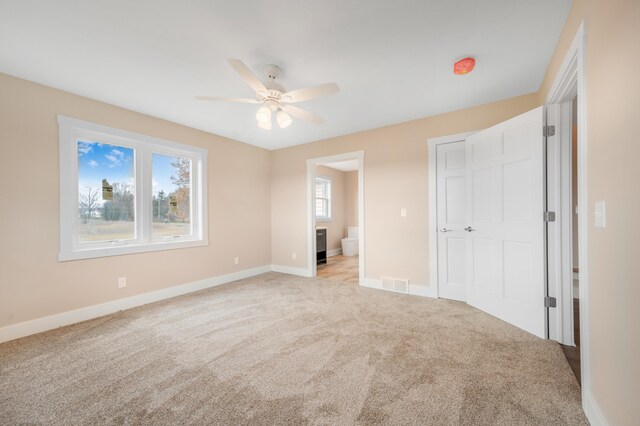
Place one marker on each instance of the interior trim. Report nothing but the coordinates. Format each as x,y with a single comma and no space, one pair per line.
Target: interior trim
27,328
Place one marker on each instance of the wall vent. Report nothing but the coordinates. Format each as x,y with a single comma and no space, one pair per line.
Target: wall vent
399,285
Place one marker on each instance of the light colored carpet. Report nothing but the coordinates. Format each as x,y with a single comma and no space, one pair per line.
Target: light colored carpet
278,349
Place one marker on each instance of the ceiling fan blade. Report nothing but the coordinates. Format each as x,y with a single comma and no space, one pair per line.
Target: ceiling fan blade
310,93
248,76
301,114
214,98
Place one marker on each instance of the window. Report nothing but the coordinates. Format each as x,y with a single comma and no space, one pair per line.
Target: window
323,198
171,177
122,192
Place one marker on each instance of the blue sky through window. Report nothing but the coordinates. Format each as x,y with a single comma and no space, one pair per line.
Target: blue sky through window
97,161
161,174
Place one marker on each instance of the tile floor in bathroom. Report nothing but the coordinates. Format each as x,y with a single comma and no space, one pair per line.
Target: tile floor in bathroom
340,268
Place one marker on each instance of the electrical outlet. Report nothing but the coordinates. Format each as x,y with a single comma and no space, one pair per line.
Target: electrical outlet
122,282
293,255
403,212
236,260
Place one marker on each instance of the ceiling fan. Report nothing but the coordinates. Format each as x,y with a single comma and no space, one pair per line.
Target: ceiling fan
274,97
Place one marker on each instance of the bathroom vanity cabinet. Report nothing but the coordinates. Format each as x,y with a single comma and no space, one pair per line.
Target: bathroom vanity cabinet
321,245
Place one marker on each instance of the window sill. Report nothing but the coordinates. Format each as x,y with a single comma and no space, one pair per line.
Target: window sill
128,249
324,220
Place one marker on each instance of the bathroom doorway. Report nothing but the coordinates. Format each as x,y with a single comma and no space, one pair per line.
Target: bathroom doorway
336,217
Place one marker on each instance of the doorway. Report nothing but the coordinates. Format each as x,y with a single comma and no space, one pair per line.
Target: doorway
567,196
451,217
446,216
336,217
572,352
489,196
493,203
564,237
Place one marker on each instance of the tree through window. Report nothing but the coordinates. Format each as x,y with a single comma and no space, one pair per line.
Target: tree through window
171,196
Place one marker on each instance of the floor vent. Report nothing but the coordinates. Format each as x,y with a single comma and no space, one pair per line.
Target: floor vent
399,285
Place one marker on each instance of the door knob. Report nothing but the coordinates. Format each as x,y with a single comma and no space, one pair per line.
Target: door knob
469,229
445,230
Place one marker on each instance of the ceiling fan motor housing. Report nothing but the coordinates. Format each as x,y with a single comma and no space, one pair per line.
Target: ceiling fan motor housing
272,71
272,104
275,89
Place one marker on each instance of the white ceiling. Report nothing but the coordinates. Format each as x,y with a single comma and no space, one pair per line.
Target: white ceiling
391,59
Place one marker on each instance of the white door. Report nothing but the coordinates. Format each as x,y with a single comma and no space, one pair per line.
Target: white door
451,217
505,205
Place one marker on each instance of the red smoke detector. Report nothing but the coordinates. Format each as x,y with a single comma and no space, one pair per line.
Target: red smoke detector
464,66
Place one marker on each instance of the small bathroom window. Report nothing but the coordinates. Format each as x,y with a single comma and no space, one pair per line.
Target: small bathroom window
323,198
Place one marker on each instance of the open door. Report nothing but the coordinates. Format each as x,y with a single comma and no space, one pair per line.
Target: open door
505,251
451,220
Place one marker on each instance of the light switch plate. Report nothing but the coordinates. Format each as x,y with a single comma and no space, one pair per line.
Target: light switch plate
601,214
403,212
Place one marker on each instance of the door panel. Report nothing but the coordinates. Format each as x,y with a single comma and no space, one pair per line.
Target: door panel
516,202
456,268
505,246
451,219
517,271
483,201
455,193
454,159
483,260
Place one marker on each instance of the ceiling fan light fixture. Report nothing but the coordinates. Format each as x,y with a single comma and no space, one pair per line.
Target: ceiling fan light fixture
264,124
264,115
274,97
284,120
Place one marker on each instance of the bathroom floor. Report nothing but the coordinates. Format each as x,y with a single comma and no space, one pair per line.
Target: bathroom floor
341,269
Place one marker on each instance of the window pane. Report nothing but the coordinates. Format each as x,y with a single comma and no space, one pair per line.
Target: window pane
106,192
171,196
321,207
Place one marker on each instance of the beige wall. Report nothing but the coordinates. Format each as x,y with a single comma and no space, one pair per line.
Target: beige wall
335,226
34,284
350,200
613,153
395,177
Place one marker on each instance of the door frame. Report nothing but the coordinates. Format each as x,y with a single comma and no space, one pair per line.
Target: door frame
569,82
432,232
311,213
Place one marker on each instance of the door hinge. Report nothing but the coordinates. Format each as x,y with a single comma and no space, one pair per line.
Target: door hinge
548,131
549,302
549,216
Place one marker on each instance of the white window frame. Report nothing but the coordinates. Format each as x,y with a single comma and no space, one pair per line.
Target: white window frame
327,182
70,131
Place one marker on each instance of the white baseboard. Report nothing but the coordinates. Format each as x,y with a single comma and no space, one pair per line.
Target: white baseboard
303,272
39,325
592,411
422,290
414,289
334,252
371,283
